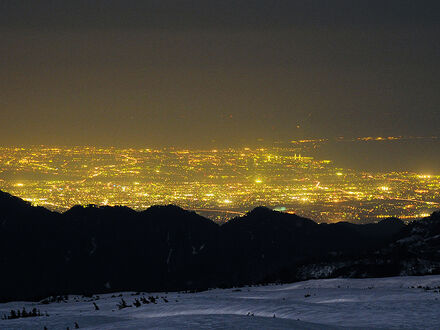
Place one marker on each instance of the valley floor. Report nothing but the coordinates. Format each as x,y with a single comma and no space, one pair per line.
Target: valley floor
385,303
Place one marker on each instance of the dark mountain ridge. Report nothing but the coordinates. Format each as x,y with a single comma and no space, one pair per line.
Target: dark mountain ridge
95,249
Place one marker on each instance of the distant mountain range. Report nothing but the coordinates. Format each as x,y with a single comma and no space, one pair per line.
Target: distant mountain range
165,248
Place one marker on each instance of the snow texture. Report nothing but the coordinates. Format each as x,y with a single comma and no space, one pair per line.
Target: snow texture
385,303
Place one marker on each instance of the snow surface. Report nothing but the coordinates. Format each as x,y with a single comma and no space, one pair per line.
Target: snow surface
384,303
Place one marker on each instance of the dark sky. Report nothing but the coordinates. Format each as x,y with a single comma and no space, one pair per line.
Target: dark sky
208,73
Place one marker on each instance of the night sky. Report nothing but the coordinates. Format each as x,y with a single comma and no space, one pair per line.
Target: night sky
208,73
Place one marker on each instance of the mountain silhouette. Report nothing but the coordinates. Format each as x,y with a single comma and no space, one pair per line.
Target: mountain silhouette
94,249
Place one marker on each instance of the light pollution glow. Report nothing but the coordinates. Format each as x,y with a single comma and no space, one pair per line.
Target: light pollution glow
218,183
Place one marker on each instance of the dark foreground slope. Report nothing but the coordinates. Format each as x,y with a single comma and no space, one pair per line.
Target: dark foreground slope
103,249
96,249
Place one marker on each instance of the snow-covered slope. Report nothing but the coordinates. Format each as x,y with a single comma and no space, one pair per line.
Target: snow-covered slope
396,302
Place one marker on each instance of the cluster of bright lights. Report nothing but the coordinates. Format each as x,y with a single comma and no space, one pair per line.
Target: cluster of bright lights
222,183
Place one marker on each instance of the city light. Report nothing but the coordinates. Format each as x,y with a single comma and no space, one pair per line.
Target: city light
229,181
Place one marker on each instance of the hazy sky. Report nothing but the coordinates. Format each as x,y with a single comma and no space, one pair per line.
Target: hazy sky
187,73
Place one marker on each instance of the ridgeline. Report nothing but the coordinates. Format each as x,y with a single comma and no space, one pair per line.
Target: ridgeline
95,249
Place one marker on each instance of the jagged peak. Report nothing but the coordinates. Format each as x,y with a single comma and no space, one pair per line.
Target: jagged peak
262,216
392,221
168,207
261,210
8,199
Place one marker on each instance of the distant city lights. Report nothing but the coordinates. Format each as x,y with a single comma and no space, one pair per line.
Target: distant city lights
225,182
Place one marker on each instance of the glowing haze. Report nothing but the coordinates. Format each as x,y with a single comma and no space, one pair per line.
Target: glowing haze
198,74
